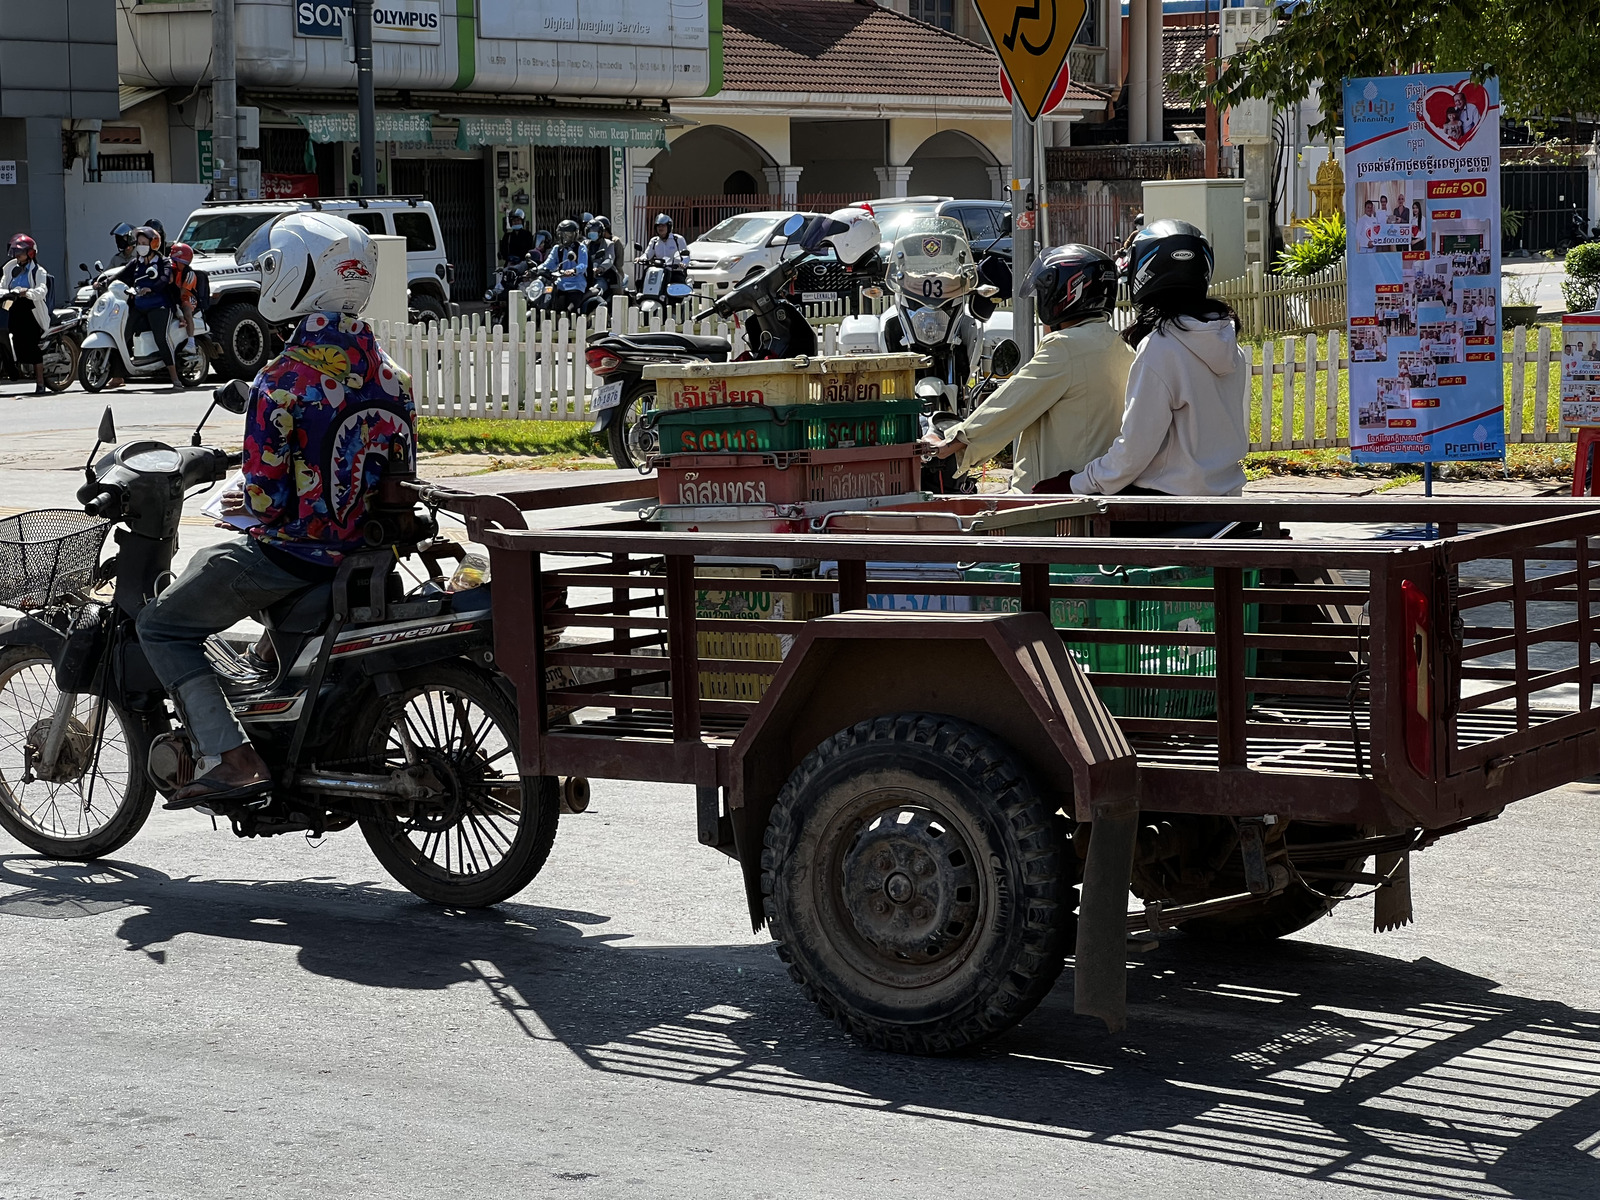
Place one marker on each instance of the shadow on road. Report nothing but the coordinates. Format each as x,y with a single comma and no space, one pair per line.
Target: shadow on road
1407,1078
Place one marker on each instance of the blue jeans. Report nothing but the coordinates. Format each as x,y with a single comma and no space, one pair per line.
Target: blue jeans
221,586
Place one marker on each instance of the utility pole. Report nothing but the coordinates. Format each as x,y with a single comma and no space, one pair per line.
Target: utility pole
1022,217
366,112
224,104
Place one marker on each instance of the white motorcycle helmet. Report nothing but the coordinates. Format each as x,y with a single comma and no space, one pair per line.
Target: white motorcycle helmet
853,234
311,262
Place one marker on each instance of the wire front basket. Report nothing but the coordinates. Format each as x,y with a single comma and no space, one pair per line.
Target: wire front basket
48,554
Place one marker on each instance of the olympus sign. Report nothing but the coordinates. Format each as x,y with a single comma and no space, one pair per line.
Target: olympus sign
392,20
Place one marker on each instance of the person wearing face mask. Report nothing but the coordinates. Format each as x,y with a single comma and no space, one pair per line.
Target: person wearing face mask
24,286
149,277
517,241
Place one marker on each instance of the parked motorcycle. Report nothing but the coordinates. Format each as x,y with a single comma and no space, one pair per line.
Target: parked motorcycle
61,347
660,284
378,706
774,325
105,349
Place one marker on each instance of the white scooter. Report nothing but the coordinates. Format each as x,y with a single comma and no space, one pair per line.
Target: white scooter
105,350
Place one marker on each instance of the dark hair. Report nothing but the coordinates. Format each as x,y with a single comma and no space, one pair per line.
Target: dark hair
1164,308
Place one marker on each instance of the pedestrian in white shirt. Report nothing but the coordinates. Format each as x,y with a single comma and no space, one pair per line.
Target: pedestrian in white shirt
1185,427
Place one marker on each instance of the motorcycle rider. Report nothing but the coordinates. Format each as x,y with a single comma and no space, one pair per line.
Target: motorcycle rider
327,417
542,241
149,276
603,273
123,236
1063,407
669,247
517,241
1185,428
25,287
568,264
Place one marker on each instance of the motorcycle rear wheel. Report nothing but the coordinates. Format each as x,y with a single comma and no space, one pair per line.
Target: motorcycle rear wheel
61,364
631,442
490,832
103,795
95,369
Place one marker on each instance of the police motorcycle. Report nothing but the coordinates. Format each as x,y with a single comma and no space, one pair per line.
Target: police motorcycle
774,327
105,348
375,703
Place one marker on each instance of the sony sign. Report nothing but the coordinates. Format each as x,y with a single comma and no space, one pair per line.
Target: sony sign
416,21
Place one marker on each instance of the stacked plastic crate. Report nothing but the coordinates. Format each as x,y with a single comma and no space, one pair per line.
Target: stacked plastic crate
772,447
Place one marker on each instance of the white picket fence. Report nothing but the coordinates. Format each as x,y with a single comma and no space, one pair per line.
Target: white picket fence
536,369
1300,405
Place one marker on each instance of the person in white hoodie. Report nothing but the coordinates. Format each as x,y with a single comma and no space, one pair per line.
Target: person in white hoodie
1184,419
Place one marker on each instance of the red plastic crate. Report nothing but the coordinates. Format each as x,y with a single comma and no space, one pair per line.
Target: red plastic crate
796,477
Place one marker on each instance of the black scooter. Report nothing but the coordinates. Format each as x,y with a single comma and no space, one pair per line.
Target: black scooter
775,327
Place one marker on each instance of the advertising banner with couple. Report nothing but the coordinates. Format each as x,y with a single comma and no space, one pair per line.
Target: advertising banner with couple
1422,268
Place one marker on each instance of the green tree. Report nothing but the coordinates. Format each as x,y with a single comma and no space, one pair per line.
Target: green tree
1546,54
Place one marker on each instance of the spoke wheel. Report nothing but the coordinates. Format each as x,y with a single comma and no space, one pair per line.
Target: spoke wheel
486,831
917,884
192,367
633,442
61,364
94,800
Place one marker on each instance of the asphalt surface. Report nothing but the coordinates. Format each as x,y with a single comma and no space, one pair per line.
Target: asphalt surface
203,1016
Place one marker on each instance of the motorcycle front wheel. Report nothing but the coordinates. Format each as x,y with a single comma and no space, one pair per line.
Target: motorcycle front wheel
487,831
95,369
99,794
61,363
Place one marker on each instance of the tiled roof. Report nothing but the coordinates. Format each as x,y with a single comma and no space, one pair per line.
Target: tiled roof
851,46
1182,49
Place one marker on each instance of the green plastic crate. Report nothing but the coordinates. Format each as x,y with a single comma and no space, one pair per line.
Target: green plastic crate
748,428
1198,616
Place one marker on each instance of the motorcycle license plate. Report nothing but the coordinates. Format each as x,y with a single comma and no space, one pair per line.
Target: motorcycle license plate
608,396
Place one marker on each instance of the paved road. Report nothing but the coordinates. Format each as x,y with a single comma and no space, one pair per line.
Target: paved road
208,1017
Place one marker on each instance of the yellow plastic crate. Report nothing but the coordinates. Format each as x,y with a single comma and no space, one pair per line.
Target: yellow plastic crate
834,379
753,595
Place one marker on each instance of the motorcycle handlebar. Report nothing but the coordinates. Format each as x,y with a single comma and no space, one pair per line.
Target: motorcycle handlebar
105,505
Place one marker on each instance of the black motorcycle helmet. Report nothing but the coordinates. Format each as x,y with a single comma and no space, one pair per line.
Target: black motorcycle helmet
542,240
595,231
1071,283
155,224
123,235
605,225
1166,256
567,232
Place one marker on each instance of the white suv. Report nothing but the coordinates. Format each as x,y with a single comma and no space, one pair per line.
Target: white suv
217,229
735,249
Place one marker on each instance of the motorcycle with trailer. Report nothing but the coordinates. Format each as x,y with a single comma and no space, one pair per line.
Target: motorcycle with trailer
376,702
1246,732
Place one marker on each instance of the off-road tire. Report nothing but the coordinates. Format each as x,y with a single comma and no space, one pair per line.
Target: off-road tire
838,816
132,810
540,801
245,338
429,308
629,453
1264,920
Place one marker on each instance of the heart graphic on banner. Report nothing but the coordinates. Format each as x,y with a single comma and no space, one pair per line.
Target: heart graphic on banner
1452,114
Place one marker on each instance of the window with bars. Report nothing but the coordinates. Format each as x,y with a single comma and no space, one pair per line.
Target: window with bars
935,12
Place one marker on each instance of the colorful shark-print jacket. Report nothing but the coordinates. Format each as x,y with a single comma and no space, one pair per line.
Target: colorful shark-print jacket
326,417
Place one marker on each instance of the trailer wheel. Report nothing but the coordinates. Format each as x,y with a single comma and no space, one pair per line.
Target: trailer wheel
918,886
1201,862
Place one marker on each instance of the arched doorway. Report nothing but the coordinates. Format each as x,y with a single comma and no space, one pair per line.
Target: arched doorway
690,178
952,163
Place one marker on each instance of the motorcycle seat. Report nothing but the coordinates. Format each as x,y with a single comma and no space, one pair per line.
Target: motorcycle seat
686,343
305,612
62,314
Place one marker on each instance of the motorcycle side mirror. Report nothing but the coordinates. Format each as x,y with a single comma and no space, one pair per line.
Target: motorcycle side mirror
108,427
98,265
83,266
1005,224
233,396
1007,357
793,225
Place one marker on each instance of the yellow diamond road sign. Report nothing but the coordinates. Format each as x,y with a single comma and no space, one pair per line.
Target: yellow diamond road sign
1032,39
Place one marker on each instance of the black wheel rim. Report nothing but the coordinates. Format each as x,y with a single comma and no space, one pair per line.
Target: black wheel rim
472,825
640,436
89,785
249,345
903,885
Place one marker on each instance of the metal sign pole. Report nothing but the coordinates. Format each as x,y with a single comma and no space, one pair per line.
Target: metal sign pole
224,104
366,113
1022,216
